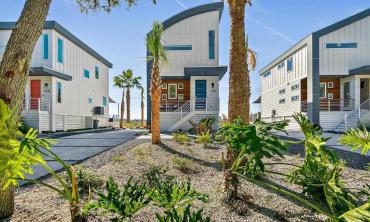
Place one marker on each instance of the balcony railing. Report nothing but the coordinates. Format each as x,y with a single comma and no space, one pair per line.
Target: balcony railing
332,105
194,104
36,104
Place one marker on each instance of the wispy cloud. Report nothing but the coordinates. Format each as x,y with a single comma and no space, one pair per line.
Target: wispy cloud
272,30
181,4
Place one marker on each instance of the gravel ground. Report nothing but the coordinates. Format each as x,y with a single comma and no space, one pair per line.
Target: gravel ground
36,203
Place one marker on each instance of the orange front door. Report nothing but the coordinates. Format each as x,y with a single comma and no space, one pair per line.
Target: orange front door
35,94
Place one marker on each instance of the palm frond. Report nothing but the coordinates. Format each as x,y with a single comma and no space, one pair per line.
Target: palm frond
356,139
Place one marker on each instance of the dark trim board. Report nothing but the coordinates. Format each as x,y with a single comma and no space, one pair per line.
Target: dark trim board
206,71
63,31
44,71
360,70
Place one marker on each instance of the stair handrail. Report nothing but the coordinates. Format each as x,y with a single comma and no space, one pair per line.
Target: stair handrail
356,112
363,106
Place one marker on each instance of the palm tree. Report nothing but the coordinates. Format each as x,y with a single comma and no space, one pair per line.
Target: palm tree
118,82
157,55
130,81
142,104
239,87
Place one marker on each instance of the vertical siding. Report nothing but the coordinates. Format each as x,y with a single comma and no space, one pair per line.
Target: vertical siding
282,79
338,61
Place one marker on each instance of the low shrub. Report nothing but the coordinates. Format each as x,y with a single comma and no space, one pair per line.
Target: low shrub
86,181
204,138
176,216
181,137
186,166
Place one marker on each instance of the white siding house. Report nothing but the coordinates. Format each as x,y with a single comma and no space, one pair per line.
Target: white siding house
190,79
326,75
68,84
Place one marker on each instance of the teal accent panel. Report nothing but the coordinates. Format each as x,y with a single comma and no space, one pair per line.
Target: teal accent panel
104,101
96,72
59,92
60,50
178,47
46,46
86,73
211,41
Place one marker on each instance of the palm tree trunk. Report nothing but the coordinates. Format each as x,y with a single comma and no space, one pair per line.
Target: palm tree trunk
142,112
155,92
238,84
121,123
128,101
14,69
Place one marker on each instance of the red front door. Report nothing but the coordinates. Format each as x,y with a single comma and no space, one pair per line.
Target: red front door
35,94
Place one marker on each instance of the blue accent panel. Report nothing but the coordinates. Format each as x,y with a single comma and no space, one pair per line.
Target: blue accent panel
211,43
86,73
200,94
60,50
104,101
341,45
45,46
178,47
90,100
59,92
289,63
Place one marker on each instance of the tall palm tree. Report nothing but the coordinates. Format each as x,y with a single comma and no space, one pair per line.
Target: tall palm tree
157,55
141,88
239,87
118,82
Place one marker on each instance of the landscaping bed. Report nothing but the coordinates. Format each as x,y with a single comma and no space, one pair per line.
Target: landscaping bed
190,160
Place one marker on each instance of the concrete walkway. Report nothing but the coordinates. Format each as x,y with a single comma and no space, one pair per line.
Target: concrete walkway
77,148
333,142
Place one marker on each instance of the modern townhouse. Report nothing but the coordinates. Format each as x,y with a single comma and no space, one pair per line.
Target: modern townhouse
68,83
325,75
190,79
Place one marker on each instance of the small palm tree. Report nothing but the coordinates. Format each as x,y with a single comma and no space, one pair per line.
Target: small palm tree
142,105
157,55
118,82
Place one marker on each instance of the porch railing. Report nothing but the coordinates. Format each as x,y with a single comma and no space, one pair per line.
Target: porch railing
332,105
194,104
36,104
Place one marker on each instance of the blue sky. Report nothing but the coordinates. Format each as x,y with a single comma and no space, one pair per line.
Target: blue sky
273,26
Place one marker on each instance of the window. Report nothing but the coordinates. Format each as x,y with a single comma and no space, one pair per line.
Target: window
164,96
330,96
266,74
289,64
104,101
322,90
330,85
178,47
172,91
211,43
281,91
341,45
281,65
96,72
45,44
180,85
90,100
164,86
60,50
282,101
181,97
86,73
295,98
295,87
59,92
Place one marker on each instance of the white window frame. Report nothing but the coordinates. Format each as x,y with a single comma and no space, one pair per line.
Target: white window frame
169,91
164,96
182,85
330,95
323,83
294,98
330,85
180,95
164,85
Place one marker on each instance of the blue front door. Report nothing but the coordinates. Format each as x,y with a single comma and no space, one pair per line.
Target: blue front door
200,94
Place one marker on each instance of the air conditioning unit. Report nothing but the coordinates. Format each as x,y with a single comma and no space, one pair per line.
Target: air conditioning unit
98,110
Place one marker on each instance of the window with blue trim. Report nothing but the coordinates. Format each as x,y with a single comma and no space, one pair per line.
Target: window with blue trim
60,50
211,42
104,101
178,47
90,100
289,64
45,40
347,45
59,92
96,72
86,73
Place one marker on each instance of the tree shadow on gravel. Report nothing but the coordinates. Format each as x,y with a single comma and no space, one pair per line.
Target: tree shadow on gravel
201,162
